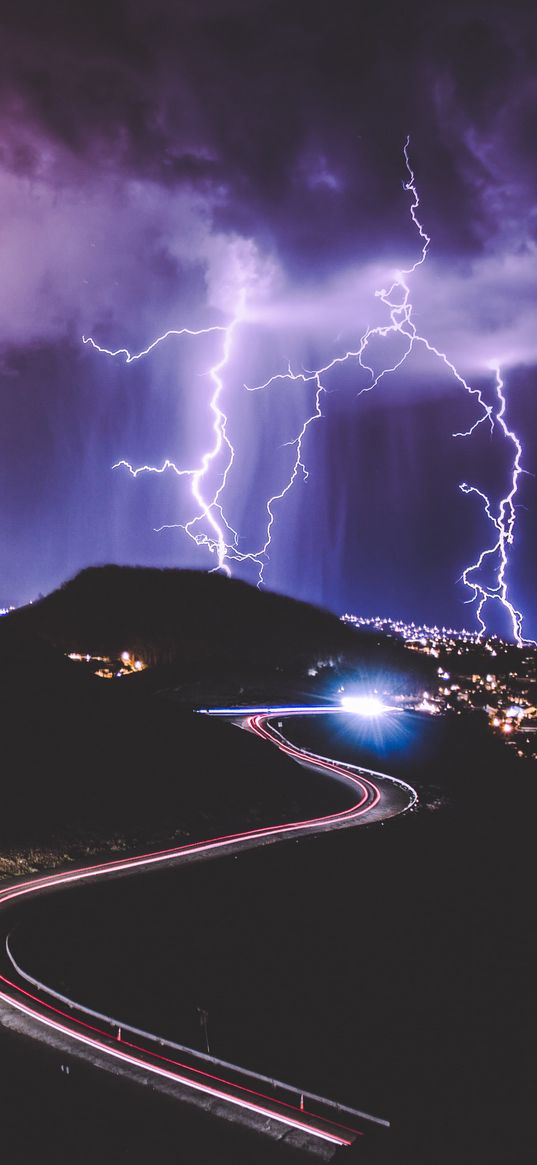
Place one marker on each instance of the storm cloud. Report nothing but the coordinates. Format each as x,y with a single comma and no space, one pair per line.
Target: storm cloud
158,158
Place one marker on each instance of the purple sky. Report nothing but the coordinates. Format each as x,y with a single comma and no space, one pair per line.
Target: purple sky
158,159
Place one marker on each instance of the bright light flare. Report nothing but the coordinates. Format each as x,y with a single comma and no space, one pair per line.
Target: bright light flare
369,706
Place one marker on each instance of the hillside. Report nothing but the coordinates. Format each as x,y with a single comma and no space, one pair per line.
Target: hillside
79,751
187,619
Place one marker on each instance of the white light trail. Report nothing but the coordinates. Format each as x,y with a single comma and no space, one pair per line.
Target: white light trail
365,797
368,706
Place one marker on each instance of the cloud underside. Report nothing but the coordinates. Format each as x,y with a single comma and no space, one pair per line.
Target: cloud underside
155,163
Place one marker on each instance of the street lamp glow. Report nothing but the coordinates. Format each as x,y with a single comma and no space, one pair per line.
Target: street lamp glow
363,705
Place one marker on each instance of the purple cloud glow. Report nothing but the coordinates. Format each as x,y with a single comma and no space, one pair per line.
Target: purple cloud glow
155,164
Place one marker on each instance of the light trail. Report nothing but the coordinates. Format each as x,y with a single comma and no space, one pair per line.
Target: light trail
14,996
287,710
175,1077
187,1067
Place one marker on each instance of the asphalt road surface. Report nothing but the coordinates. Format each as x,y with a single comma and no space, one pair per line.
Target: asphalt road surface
223,1089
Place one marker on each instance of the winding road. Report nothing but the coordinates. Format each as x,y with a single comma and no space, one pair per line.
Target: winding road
281,1110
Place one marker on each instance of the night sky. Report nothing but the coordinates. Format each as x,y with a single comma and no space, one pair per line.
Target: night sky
158,160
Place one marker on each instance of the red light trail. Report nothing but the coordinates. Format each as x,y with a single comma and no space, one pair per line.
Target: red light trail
13,995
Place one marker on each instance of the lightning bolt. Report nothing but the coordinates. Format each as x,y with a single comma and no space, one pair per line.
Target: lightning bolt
210,527
298,467
131,357
504,523
397,299
209,510
218,536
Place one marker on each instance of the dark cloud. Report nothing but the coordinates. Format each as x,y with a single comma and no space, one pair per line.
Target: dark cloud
238,97
156,157
282,122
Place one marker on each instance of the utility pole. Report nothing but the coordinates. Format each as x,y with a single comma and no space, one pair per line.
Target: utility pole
204,1021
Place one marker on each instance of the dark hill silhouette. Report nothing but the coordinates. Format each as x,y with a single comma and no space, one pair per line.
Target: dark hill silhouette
181,617
81,748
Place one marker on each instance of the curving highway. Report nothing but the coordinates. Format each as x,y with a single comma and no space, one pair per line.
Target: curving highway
230,1090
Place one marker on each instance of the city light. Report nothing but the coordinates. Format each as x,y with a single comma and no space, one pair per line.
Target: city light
505,696
363,705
